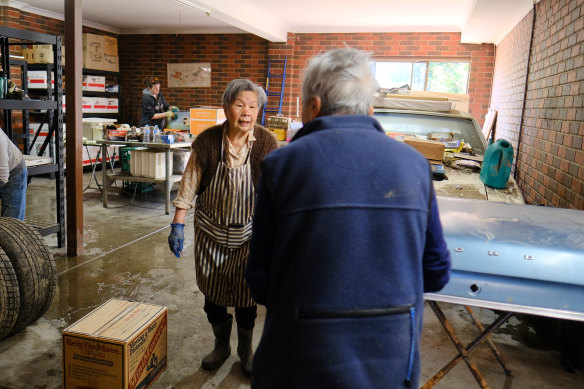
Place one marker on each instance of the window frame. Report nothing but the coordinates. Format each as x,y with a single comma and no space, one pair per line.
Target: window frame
427,61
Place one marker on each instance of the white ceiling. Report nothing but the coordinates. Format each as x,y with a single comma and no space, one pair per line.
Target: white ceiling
479,21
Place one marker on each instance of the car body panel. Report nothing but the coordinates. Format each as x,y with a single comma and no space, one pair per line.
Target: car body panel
521,258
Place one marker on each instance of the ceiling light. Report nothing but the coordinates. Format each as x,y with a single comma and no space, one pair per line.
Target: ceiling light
196,6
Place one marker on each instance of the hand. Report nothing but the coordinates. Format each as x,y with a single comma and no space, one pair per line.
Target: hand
173,108
176,238
169,114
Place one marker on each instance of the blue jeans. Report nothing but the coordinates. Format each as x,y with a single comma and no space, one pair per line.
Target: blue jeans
13,195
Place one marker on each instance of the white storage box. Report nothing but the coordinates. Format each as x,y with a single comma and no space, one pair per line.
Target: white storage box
87,104
93,83
136,162
112,105
154,164
37,79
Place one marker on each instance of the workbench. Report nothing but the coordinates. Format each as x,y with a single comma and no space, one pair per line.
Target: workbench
168,179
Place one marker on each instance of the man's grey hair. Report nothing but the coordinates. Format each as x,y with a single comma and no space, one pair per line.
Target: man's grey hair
239,85
343,80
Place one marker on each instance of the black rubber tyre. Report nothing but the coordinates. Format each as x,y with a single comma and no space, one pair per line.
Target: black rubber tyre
34,266
9,295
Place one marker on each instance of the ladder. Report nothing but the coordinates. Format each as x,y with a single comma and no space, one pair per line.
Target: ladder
275,84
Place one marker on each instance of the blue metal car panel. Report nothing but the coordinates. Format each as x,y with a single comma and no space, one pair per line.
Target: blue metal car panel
517,258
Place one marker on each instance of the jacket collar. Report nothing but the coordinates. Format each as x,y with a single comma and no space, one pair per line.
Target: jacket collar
338,122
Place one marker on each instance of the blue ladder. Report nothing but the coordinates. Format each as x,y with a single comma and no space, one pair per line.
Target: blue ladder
271,105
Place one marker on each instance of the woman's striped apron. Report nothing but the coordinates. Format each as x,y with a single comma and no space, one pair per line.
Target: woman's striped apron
223,221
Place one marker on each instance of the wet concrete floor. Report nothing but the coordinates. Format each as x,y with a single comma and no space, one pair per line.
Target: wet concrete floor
126,257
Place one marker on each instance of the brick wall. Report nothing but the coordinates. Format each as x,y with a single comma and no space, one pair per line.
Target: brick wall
550,165
509,81
386,45
231,56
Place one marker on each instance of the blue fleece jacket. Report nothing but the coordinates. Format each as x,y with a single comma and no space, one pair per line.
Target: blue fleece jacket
346,238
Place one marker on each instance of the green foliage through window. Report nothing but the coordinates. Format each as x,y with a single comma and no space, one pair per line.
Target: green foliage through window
450,77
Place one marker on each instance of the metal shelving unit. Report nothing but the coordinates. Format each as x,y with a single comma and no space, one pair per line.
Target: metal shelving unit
14,37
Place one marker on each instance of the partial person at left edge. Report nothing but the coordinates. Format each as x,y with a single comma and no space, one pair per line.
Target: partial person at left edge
155,110
13,179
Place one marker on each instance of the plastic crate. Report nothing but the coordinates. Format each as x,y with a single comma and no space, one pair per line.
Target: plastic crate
125,157
136,187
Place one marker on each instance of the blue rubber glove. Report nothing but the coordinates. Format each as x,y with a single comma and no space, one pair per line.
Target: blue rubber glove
176,238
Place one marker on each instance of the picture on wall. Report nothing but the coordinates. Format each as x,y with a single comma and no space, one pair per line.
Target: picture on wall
189,75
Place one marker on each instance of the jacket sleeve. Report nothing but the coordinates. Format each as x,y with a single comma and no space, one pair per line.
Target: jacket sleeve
436,261
263,234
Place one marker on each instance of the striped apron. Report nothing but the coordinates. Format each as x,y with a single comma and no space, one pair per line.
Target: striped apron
223,222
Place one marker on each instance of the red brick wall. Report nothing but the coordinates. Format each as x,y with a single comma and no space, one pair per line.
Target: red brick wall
508,93
231,56
301,47
550,166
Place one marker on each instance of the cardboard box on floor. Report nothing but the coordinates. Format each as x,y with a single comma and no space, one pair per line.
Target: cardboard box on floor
121,344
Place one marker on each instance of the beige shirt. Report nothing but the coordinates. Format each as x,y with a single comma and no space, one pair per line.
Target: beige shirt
189,184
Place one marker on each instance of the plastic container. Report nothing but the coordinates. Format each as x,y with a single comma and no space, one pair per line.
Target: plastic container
497,164
146,134
156,134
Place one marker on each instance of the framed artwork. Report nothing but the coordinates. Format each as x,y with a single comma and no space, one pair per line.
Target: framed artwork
189,75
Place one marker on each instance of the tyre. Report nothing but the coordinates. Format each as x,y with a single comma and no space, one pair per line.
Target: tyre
34,267
9,295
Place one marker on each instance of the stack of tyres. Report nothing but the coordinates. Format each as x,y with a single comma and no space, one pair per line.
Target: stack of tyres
28,276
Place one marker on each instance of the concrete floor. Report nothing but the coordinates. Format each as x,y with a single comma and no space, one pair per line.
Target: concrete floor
126,257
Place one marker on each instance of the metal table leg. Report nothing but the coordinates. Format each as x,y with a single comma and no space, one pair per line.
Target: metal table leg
104,175
167,185
464,351
93,168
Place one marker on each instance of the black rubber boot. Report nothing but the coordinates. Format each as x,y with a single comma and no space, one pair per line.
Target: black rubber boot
244,338
222,349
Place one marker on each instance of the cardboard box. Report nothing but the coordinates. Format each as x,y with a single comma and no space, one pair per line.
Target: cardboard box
432,150
110,45
120,344
93,51
43,53
112,105
93,83
28,54
37,79
111,63
99,105
203,118
87,104
207,114
198,126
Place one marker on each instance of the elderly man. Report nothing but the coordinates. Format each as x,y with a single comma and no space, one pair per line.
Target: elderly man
346,239
13,177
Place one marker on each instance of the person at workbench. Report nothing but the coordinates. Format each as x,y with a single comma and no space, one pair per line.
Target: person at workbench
223,172
346,239
13,179
155,110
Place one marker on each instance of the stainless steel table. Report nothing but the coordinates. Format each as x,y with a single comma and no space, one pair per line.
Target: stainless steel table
168,179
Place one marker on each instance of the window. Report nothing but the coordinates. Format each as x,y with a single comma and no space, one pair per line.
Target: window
434,76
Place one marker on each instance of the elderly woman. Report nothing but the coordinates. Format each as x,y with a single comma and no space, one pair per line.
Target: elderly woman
223,172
